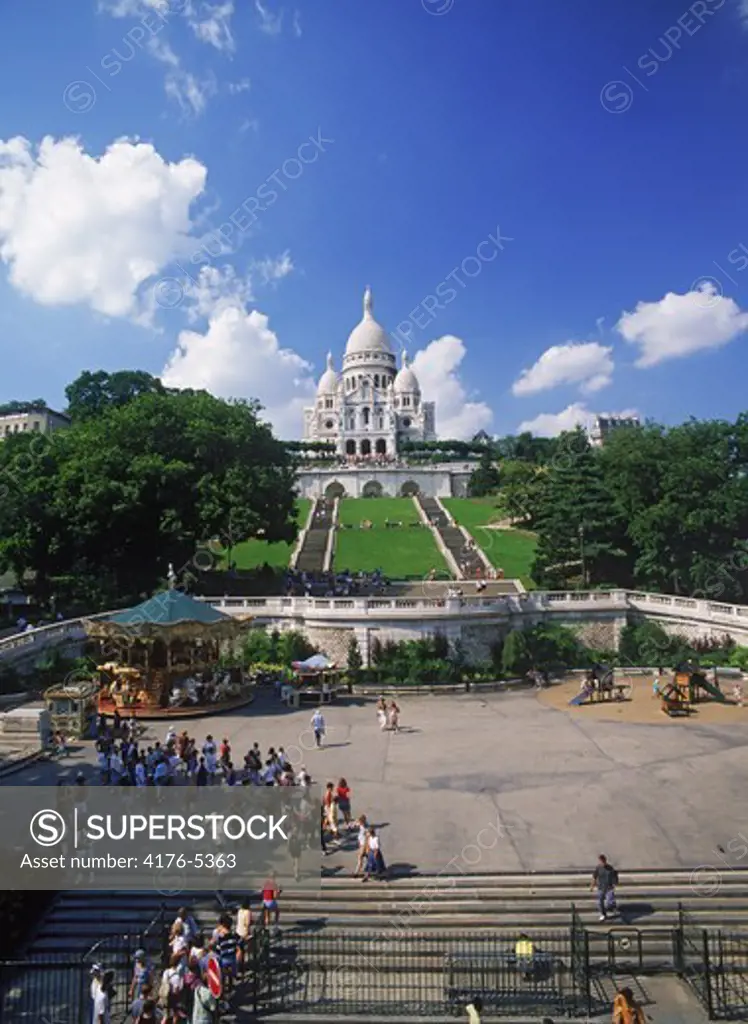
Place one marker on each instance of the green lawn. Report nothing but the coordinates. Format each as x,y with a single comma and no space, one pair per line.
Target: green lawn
253,553
398,552
376,510
511,550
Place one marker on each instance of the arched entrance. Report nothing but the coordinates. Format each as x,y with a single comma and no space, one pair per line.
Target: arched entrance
409,488
366,447
334,490
381,446
372,489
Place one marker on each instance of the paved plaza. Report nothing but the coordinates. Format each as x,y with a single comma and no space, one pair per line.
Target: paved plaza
503,782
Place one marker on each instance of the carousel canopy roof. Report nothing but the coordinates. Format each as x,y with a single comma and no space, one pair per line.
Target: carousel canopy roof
167,609
170,615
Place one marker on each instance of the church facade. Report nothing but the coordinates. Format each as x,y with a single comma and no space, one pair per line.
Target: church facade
371,407
368,410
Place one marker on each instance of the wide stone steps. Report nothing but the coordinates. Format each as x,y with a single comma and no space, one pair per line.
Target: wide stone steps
432,906
312,555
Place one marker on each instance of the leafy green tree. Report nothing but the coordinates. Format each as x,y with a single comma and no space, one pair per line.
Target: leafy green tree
91,394
521,484
580,532
120,495
516,658
293,646
354,660
485,477
647,643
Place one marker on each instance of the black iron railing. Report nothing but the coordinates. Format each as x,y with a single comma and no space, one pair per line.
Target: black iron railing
404,972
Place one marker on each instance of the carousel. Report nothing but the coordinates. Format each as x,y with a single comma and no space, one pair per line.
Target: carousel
170,656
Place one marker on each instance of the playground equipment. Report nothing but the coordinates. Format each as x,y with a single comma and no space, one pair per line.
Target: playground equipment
688,688
676,695
600,685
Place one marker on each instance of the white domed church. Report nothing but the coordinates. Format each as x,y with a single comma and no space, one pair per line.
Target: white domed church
371,407
367,410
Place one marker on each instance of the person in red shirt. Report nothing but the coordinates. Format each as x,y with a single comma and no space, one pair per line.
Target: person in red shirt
270,894
343,795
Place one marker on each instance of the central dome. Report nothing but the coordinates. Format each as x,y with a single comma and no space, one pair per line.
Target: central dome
368,336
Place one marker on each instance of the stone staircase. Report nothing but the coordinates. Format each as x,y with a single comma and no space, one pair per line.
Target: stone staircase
466,558
499,905
311,558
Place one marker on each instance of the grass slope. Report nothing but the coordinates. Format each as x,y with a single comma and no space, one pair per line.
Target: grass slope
398,510
398,552
253,553
511,550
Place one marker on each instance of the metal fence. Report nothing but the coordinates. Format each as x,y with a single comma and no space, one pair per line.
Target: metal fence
56,989
715,964
403,972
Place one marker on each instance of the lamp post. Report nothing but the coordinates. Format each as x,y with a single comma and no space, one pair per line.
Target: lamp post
581,555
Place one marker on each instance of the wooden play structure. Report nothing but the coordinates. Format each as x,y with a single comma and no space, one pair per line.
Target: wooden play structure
599,684
675,695
689,686
170,655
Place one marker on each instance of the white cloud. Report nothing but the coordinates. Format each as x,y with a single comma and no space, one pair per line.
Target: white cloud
297,24
75,228
272,269
679,325
241,86
550,424
437,368
743,10
213,25
216,289
239,356
586,363
191,93
271,24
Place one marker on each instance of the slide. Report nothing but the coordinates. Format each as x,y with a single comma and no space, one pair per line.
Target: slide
579,699
712,690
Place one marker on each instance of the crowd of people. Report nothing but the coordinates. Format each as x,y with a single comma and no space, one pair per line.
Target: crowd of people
179,991
123,760
334,584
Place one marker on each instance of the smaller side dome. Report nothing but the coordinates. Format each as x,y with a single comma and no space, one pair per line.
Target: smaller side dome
328,382
406,380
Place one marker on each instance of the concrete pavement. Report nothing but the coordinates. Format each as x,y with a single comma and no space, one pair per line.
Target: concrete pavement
501,782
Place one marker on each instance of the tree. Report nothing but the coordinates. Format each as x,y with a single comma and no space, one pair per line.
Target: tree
485,478
516,659
120,495
520,488
91,394
354,661
580,533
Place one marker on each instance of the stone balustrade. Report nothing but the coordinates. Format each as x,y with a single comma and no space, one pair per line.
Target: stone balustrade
598,616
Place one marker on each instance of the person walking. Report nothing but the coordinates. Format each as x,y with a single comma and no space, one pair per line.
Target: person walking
394,717
205,1004
626,1010
605,880
329,801
473,1010
374,860
270,894
343,796
382,713
363,832
319,727
102,1013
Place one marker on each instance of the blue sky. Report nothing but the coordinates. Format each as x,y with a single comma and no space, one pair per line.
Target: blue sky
591,153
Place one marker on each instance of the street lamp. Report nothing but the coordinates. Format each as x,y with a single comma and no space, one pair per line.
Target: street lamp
581,555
